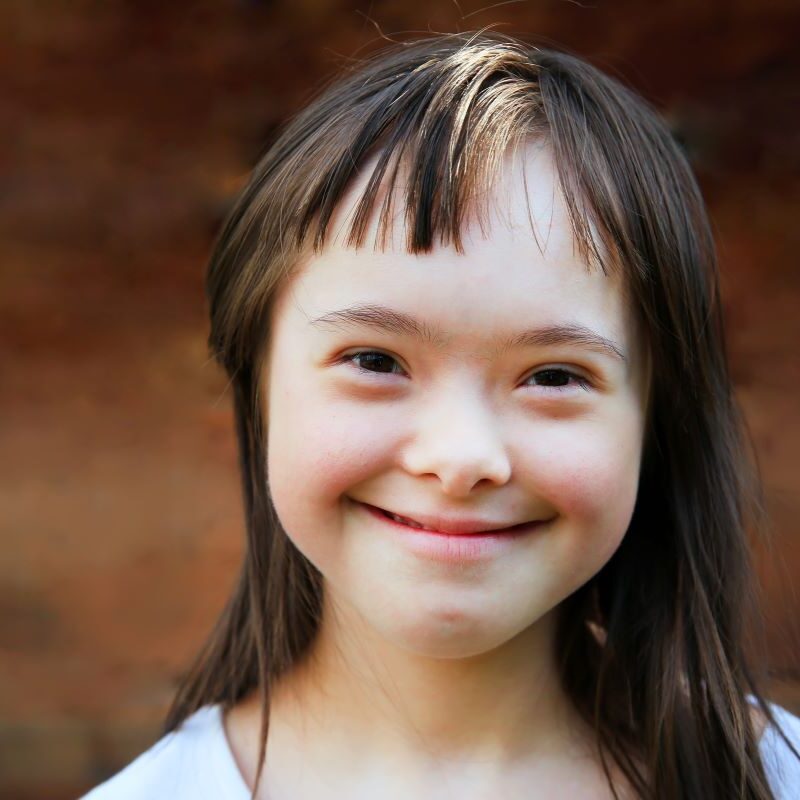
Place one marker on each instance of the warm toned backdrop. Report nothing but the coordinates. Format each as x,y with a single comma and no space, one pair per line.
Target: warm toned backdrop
125,130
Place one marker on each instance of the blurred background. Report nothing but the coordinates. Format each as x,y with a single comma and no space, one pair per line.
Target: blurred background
126,128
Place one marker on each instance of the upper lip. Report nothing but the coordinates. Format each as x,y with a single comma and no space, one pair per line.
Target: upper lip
450,524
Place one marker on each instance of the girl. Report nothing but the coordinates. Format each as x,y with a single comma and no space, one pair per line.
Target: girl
496,488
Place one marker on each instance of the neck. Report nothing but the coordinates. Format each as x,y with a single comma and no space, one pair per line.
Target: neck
501,707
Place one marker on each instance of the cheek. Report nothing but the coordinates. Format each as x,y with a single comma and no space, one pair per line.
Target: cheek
317,452
591,479
320,448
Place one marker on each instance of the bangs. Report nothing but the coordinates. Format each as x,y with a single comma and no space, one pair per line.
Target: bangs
437,132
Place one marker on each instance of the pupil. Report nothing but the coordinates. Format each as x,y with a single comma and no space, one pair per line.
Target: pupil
555,375
376,359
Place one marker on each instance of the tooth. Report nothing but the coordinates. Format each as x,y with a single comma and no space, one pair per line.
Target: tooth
408,522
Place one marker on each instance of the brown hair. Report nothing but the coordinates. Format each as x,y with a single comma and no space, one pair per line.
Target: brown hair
667,690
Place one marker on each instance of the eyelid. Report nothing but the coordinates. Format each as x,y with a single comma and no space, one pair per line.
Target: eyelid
580,380
348,358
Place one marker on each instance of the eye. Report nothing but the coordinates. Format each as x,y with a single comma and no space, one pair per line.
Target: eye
372,361
552,379
557,379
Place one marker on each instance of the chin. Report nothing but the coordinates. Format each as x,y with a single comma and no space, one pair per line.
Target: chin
449,634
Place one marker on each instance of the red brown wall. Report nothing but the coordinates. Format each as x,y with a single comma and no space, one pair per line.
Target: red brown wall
126,129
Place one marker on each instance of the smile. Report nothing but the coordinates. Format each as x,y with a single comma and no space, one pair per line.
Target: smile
451,526
475,542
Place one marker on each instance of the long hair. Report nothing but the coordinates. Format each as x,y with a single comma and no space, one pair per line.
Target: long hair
668,685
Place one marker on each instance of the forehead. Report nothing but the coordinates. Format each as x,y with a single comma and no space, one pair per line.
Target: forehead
519,250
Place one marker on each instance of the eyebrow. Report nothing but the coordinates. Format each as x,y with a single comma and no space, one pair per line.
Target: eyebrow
383,318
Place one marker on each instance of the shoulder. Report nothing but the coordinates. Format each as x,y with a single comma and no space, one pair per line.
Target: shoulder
191,762
781,764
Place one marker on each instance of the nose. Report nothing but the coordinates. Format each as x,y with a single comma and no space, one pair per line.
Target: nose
459,443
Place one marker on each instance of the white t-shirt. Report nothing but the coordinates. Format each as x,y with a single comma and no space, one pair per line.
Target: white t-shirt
195,762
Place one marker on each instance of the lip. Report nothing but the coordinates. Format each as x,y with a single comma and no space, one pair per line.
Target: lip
452,526
454,548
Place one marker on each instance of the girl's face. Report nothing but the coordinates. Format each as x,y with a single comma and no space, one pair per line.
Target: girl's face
444,417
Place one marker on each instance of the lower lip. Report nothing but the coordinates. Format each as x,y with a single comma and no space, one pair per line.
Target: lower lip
455,548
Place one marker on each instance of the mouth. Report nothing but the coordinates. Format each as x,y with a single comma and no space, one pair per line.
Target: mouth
463,542
463,528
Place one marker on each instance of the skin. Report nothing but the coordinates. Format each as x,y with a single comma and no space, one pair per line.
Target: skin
439,679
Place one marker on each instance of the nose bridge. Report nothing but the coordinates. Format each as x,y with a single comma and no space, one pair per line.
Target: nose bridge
459,439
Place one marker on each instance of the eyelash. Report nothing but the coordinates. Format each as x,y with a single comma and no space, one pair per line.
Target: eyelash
350,358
